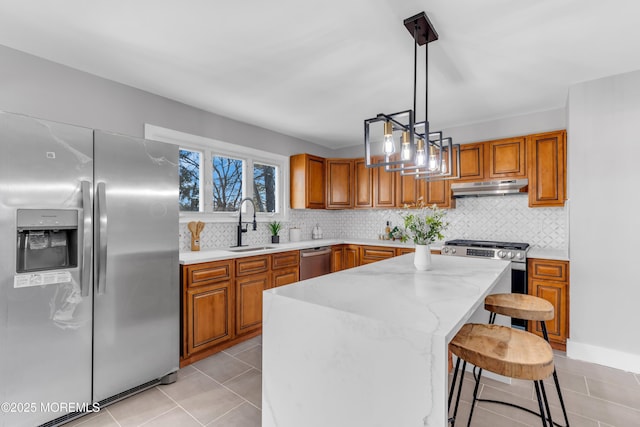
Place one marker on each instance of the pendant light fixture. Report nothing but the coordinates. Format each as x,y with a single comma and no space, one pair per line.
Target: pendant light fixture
421,153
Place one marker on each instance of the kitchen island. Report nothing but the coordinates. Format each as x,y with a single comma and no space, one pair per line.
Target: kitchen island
368,346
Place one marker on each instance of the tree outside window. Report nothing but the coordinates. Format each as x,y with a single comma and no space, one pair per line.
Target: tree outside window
227,183
189,180
264,187
231,179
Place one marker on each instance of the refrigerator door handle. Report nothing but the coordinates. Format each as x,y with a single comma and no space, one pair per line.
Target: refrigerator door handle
102,239
87,230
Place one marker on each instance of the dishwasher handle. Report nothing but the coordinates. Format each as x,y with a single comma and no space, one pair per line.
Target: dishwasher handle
314,252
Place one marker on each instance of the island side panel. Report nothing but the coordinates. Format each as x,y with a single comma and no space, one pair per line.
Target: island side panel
324,367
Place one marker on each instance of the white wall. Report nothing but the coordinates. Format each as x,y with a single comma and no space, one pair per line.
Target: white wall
40,88
603,179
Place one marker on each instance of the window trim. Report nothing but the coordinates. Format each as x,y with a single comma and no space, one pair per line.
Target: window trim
249,155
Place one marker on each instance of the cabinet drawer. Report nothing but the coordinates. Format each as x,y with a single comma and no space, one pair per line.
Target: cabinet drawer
285,260
284,277
252,265
403,251
210,272
369,254
545,269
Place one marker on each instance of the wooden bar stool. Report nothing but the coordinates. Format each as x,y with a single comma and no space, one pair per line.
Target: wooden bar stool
504,351
525,307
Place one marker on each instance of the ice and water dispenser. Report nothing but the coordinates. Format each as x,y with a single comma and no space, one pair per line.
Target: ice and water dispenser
47,239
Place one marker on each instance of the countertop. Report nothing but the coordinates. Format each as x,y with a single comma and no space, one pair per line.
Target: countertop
217,254
370,342
556,254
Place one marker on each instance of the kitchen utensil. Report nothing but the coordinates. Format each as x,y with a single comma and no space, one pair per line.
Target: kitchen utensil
195,228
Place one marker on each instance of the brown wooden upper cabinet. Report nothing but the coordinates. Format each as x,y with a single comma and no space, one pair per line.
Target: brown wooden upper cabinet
506,158
407,190
348,183
472,162
438,192
363,188
384,187
340,183
547,158
307,174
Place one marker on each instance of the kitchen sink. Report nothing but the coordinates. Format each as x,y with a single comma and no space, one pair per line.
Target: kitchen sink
251,249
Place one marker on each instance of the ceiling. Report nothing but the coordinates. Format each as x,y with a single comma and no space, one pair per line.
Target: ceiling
316,69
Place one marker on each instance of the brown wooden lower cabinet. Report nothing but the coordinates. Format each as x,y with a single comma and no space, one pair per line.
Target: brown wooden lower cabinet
549,279
285,268
209,319
222,300
351,256
249,302
337,258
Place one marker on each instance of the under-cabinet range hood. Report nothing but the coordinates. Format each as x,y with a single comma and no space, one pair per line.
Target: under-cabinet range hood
489,188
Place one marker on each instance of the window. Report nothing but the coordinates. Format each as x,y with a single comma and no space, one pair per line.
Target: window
215,176
190,180
227,183
264,187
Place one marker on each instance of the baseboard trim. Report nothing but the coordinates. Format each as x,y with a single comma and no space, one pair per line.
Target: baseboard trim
603,356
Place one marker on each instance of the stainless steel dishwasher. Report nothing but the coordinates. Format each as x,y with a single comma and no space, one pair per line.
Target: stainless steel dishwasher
315,262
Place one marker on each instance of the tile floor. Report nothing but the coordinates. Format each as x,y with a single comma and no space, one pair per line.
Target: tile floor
224,390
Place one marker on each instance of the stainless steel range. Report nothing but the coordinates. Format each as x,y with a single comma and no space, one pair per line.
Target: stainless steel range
516,252
509,251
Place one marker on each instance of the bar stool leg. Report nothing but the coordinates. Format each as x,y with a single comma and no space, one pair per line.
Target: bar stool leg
555,377
475,393
455,410
546,403
542,417
453,382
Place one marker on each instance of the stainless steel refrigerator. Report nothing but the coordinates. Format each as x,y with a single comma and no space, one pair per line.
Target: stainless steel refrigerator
89,289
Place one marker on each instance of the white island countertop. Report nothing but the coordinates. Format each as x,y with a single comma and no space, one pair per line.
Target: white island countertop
368,346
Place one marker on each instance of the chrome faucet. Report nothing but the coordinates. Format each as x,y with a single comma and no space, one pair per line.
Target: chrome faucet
244,230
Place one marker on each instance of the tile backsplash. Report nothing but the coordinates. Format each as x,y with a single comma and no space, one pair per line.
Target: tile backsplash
506,218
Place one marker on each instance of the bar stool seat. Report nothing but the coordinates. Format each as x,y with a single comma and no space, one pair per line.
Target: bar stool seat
505,351
520,306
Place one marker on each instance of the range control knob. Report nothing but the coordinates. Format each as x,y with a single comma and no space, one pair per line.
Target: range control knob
445,250
510,255
501,254
453,250
520,255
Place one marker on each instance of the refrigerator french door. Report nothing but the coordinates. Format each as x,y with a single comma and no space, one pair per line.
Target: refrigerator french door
89,295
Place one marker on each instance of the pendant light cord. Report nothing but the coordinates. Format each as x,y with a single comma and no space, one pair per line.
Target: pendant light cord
426,91
415,66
